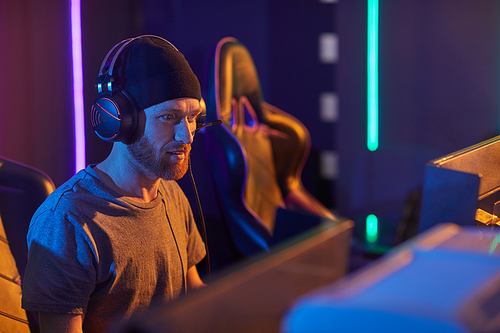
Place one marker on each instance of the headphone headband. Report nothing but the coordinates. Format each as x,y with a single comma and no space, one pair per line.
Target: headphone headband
101,77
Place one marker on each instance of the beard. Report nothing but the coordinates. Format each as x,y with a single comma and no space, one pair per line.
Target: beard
159,162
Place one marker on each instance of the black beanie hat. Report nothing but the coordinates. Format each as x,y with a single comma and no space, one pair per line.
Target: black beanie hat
152,71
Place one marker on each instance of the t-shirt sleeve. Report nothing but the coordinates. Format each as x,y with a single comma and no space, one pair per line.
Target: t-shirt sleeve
60,273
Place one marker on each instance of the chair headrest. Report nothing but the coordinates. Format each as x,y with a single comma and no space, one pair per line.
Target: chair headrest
234,76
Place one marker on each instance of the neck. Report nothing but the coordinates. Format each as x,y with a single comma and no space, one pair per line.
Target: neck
126,177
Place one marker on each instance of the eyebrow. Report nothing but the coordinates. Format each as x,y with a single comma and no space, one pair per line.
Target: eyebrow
179,110
176,110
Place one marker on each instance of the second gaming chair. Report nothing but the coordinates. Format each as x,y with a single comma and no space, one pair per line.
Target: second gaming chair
256,156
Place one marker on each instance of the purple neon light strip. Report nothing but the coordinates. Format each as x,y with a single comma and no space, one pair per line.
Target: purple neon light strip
79,117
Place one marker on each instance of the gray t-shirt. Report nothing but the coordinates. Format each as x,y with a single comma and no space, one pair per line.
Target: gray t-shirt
92,251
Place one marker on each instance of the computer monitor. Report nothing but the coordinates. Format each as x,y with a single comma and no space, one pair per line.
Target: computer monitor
463,187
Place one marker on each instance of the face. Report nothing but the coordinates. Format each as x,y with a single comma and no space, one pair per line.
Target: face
163,149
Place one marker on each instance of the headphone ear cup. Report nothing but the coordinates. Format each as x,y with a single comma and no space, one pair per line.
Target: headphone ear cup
114,117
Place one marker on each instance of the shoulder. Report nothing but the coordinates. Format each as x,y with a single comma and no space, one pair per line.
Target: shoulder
68,189
75,195
66,216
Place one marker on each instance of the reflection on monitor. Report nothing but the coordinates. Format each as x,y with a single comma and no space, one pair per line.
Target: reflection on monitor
463,187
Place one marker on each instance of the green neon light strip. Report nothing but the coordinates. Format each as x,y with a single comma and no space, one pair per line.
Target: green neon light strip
371,228
372,68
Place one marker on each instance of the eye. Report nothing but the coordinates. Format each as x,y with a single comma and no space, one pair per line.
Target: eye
168,117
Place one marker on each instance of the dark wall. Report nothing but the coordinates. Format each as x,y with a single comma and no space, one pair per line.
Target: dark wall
439,88
36,112
297,77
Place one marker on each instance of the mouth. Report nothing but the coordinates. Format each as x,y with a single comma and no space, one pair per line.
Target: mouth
178,155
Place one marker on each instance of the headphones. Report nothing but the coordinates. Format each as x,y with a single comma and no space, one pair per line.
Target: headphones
114,113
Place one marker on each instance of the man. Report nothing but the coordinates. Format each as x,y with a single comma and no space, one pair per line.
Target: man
120,235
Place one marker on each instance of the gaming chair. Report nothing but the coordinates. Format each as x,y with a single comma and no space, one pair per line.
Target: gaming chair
22,190
256,156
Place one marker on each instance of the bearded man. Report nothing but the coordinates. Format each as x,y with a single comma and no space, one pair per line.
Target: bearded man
120,236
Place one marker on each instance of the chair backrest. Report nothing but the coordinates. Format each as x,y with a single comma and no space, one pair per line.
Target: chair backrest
256,155
22,190
12,317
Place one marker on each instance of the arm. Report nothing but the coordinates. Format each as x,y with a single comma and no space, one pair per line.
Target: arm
60,322
193,279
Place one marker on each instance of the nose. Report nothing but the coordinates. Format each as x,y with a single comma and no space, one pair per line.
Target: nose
184,132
